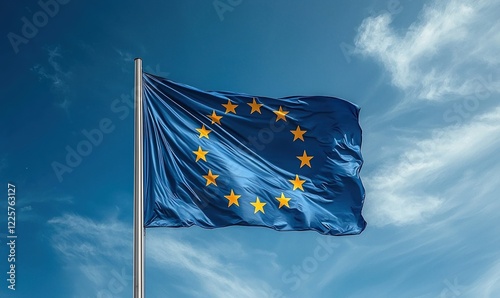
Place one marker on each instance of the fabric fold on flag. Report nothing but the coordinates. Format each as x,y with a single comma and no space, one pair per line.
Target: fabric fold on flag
216,159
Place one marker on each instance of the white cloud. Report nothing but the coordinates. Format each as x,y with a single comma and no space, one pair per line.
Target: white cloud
97,249
411,188
32,206
487,285
459,244
213,276
81,238
125,56
442,54
56,76
26,208
126,61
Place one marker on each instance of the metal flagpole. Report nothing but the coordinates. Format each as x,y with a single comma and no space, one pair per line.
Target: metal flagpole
139,231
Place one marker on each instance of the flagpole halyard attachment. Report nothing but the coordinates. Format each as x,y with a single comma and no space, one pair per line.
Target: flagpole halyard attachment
139,230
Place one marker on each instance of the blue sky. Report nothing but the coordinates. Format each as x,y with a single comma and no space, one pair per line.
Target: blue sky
425,74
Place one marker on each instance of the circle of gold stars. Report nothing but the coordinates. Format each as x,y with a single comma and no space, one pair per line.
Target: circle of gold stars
297,184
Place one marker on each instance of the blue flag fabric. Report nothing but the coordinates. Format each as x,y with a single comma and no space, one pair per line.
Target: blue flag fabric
215,159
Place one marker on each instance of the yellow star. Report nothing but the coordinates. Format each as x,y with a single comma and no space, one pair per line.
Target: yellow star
230,107
298,134
200,154
210,178
215,118
283,201
259,206
255,106
203,132
233,199
280,114
297,183
305,160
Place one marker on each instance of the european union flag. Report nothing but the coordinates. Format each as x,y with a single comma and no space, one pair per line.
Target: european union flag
215,159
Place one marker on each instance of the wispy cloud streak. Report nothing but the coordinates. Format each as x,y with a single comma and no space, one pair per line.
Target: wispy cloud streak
409,188
96,248
57,77
440,55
